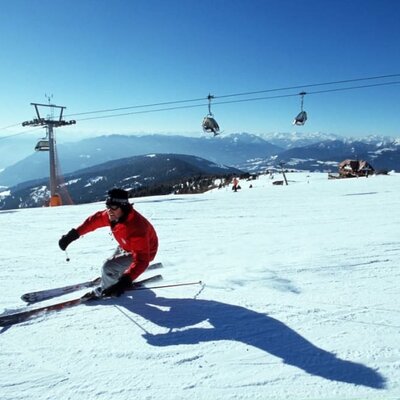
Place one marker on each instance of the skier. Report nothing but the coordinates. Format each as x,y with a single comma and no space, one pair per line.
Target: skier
137,239
235,185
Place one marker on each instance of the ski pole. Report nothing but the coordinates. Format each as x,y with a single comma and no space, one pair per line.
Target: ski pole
169,286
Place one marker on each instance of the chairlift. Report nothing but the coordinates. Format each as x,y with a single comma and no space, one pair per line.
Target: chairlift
42,145
300,119
209,124
302,116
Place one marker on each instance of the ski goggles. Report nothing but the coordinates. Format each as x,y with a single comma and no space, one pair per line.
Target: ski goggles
112,207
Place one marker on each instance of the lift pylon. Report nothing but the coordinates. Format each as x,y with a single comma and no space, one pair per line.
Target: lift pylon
50,124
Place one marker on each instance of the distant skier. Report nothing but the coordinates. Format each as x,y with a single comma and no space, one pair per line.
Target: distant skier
137,239
235,184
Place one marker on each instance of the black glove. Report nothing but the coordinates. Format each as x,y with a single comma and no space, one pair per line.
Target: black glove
124,283
68,238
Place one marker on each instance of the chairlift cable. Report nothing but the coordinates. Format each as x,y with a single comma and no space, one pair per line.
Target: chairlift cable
313,92
136,106
10,126
20,133
234,95
142,112
238,101
310,85
224,102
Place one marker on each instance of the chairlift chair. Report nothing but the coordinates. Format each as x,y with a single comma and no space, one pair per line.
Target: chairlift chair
210,125
302,116
42,145
300,119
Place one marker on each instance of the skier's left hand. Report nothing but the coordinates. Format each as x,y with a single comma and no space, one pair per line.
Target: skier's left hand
124,283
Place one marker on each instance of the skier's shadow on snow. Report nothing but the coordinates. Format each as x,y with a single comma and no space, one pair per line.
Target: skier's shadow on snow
231,322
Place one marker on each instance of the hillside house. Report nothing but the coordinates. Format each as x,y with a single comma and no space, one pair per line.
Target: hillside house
355,168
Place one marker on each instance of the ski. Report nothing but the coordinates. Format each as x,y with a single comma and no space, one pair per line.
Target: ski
24,315
34,297
41,295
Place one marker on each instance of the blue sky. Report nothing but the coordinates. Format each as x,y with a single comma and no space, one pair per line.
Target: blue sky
95,54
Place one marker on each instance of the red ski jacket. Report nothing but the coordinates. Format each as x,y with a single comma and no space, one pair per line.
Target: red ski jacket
135,234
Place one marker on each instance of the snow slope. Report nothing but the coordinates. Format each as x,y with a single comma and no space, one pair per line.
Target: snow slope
300,298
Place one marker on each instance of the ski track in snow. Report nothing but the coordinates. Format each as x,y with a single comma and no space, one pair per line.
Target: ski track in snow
299,298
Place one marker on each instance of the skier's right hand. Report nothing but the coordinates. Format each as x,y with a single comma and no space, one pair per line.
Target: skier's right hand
65,240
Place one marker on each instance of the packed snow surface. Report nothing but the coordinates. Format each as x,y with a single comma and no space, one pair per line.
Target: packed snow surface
299,298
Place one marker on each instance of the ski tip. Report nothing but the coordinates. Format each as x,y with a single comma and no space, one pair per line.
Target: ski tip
155,266
29,299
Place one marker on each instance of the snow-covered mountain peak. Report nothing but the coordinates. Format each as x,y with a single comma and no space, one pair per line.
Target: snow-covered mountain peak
245,137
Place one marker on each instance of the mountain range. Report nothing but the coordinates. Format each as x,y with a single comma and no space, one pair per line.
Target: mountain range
141,175
230,150
324,156
244,151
